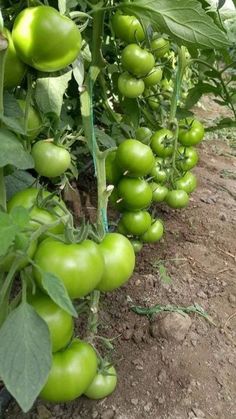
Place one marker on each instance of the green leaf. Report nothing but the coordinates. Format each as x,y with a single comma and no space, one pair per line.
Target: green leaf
184,20
197,91
12,151
165,278
49,92
104,139
78,70
25,354
58,293
7,232
18,181
131,112
11,106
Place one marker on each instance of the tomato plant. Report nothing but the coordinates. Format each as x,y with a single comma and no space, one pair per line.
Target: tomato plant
80,266
154,232
103,384
50,160
129,86
143,134
177,198
134,158
160,46
188,182
59,322
72,372
188,158
15,69
153,77
135,193
118,257
44,39
159,192
191,132
162,143
34,122
127,28
136,222
136,60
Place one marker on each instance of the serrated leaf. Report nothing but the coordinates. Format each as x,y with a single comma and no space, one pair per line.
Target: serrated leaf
12,151
7,232
25,354
184,20
18,181
49,92
58,293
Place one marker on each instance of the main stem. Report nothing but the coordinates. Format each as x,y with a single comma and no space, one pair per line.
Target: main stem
174,103
86,99
3,54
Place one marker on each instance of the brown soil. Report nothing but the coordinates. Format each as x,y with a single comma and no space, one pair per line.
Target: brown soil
162,378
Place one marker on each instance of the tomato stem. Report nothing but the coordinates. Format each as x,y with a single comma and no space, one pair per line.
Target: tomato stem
3,54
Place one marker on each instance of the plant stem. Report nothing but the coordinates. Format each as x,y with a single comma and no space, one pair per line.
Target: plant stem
174,103
3,54
93,316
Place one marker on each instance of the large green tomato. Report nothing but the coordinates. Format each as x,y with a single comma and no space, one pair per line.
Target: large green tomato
136,60
113,172
187,183
119,258
162,142
136,222
45,39
50,160
28,199
154,233
34,123
187,158
59,322
14,68
79,266
177,198
159,192
72,372
134,158
103,384
143,134
160,47
191,132
136,193
129,86
154,77
127,28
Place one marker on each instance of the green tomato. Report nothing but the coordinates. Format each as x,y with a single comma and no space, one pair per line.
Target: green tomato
27,198
121,228
103,384
15,69
119,258
136,222
154,233
136,60
136,193
72,372
159,192
143,134
45,39
80,266
113,172
115,200
50,159
191,132
34,123
129,86
59,322
127,28
162,143
154,102
160,47
134,158
177,198
154,77
187,183
158,173
187,159
137,245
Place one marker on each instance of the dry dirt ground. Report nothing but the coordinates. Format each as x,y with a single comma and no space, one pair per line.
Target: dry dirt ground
176,367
